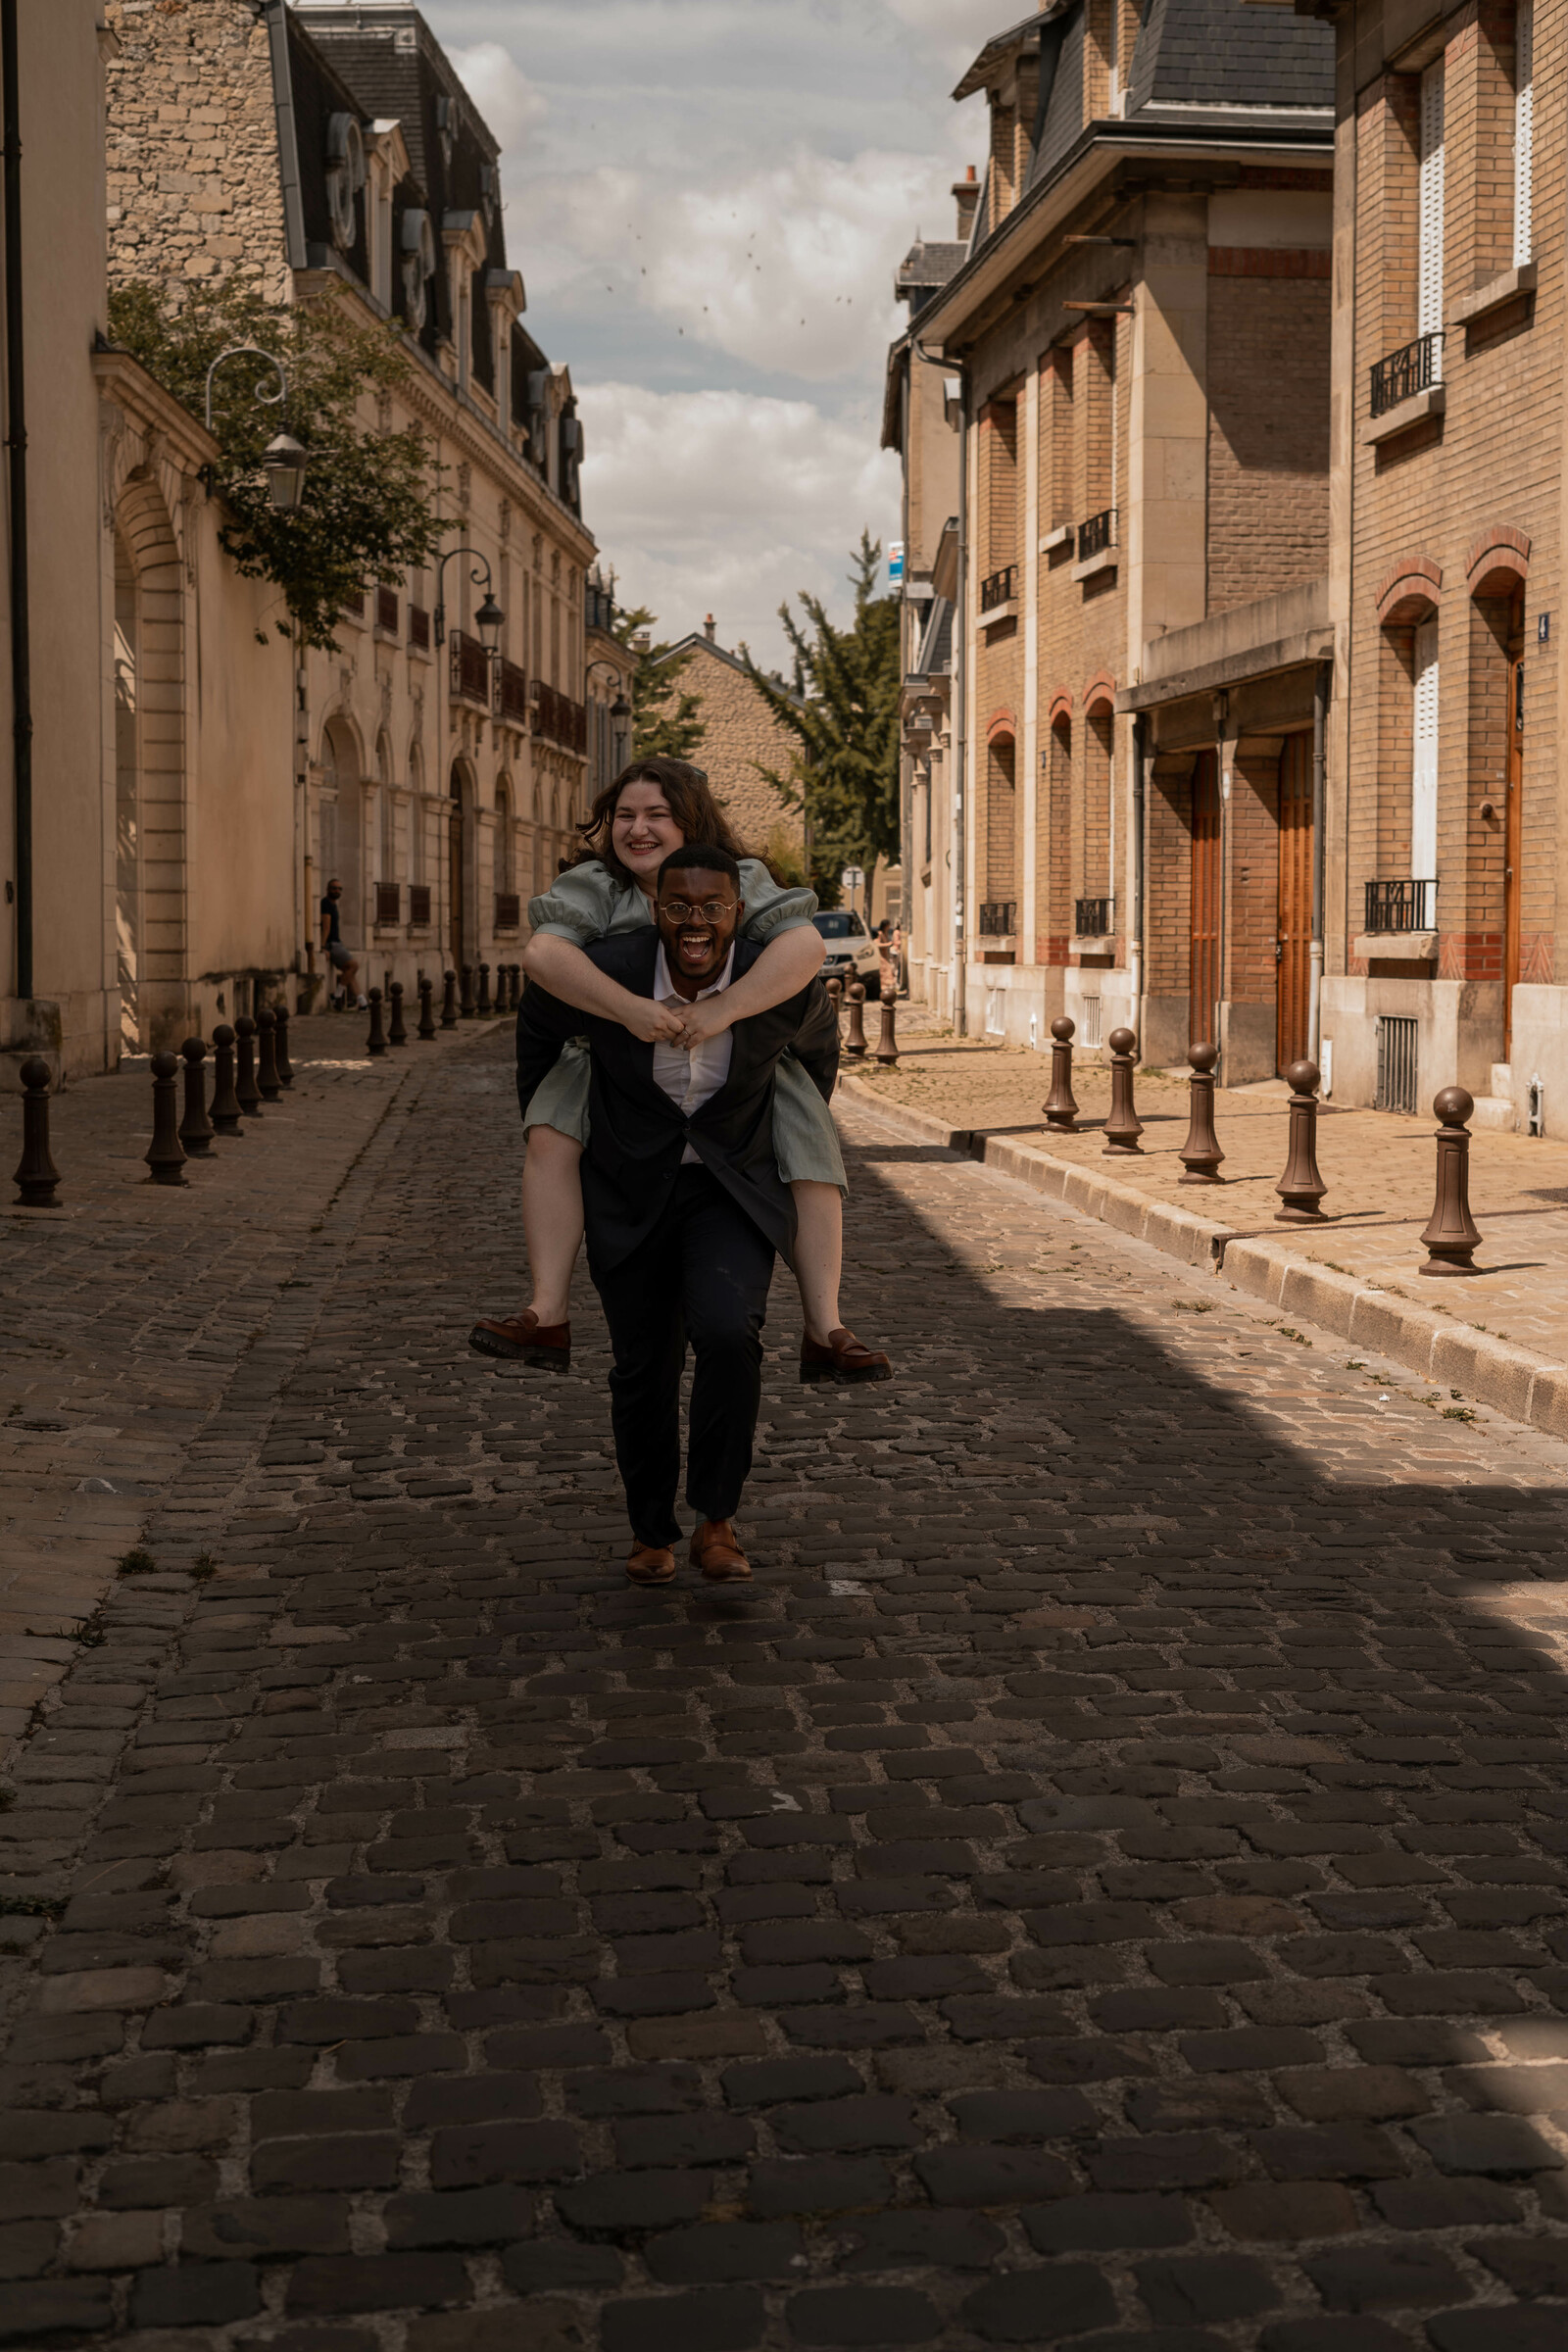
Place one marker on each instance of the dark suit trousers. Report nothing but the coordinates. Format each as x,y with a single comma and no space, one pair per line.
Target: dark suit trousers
701,1275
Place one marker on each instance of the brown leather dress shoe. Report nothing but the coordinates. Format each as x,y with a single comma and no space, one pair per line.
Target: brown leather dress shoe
650,1564
718,1553
844,1358
546,1347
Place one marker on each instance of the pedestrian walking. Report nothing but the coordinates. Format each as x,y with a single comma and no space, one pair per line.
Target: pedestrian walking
888,958
339,956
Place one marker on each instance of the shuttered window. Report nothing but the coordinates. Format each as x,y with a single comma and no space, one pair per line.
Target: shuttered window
1429,300
1424,762
1524,121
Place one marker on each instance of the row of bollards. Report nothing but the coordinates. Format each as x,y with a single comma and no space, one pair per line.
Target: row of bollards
1450,1235
855,1048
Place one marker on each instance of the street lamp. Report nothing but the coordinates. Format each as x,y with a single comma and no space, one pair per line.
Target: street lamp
284,459
489,618
619,708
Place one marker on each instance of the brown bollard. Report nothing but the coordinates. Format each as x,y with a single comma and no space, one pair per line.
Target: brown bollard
449,1001
1201,1154
376,1042
482,1004
266,1077
426,1028
396,1034
166,1153
285,1068
36,1176
225,1105
1061,1104
1124,1126
248,1092
1302,1188
195,1128
855,1043
887,1043
1451,1235
465,1005
516,998
835,997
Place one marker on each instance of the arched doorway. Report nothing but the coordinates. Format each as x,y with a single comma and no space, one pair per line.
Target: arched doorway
462,909
1203,1018
342,823
128,812
150,823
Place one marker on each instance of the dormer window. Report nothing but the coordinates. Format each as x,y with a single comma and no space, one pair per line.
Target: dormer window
345,177
419,267
446,127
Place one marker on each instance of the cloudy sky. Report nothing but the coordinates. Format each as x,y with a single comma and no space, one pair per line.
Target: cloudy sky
707,200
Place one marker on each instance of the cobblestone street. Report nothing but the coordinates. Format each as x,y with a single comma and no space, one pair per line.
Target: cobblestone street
1104,1882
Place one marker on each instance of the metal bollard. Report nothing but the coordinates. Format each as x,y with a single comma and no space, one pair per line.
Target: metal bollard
195,1128
397,1035
449,1001
36,1176
1302,1188
247,1091
285,1068
835,996
376,1042
426,1027
855,1043
266,1077
1061,1106
887,1043
1201,1154
483,1006
225,1105
517,988
1451,1234
166,1153
1124,1126
467,1006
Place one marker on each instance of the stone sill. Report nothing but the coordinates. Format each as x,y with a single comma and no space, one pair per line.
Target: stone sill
1395,947
1105,561
1506,287
1091,947
1414,411
1007,611
1062,536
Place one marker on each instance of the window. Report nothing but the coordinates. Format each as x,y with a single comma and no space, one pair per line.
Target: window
505,845
1524,116
1423,757
1429,283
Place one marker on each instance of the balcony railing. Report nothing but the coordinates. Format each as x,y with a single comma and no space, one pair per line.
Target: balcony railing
470,670
1414,368
419,904
1090,918
998,589
419,627
509,909
1096,534
559,719
996,919
388,902
386,609
599,605
1401,906
512,693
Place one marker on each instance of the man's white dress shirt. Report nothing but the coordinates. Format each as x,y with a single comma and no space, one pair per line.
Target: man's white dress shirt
690,1077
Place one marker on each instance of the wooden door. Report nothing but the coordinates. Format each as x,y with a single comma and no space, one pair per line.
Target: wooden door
1292,945
1513,841
455,900
1204,967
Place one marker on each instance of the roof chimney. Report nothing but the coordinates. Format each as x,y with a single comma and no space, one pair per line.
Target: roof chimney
711,629
966,193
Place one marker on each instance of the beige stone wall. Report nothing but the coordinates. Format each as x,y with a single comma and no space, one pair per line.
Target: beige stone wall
739,734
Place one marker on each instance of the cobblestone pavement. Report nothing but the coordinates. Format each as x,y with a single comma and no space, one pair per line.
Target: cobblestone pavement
1102,1886
1380,1169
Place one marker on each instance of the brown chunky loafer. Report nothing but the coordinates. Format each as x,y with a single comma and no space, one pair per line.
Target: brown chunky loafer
844,1358
650,1564
718,1553
546,1347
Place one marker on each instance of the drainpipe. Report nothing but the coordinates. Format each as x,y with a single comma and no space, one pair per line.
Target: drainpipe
1323,687
1222,960
960,713
16,468
1136,955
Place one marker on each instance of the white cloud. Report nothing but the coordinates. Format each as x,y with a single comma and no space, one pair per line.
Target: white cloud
501,91
725,502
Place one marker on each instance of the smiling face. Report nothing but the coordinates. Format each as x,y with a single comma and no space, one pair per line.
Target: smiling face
698,912
643,831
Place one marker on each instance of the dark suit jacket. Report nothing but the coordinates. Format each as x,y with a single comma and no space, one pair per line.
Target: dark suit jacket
636,1134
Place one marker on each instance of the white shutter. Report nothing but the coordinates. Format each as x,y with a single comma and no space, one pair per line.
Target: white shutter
1424,762
1524,127
1429,302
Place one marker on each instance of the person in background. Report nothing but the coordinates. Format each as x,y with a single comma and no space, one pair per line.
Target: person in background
887,957
342,958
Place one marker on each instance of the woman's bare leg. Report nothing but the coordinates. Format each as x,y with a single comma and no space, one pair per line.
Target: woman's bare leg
818,1255
552,1219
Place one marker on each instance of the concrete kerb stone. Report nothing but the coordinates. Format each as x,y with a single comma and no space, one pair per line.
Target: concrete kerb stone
1527,1388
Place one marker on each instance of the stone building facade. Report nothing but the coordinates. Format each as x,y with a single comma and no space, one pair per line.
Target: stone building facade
331,151
741,737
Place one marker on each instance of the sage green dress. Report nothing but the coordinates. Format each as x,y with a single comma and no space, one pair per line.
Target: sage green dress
587,903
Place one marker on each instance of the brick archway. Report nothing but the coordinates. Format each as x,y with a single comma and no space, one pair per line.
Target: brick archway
1411,593
1499,563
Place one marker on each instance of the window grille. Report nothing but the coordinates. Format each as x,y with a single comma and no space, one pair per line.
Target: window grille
1089,1028
1524,122
1396,1064
388,902
1429,283
1424,753
418,903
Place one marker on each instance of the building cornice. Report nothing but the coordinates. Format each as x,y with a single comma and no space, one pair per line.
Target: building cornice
121,377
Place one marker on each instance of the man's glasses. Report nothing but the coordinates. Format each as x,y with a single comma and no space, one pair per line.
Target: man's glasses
711,911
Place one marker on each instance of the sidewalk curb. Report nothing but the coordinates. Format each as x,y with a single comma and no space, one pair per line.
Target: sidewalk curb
1527,1388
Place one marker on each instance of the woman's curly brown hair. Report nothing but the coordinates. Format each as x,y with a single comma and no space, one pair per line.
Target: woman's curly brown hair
691,803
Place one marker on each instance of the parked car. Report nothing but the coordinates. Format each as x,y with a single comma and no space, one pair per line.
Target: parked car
851,950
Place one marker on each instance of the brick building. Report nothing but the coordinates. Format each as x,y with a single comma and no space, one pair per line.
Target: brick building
740,738
1134,352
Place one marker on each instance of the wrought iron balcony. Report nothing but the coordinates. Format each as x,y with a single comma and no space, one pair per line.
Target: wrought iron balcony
512,693
996,919
1096,534
998,589
559,719
386,609
470,670
1090,918
1401,906
1414,368
419,627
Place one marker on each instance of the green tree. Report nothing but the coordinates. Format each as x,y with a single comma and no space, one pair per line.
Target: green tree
368,511
666,720
843,714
